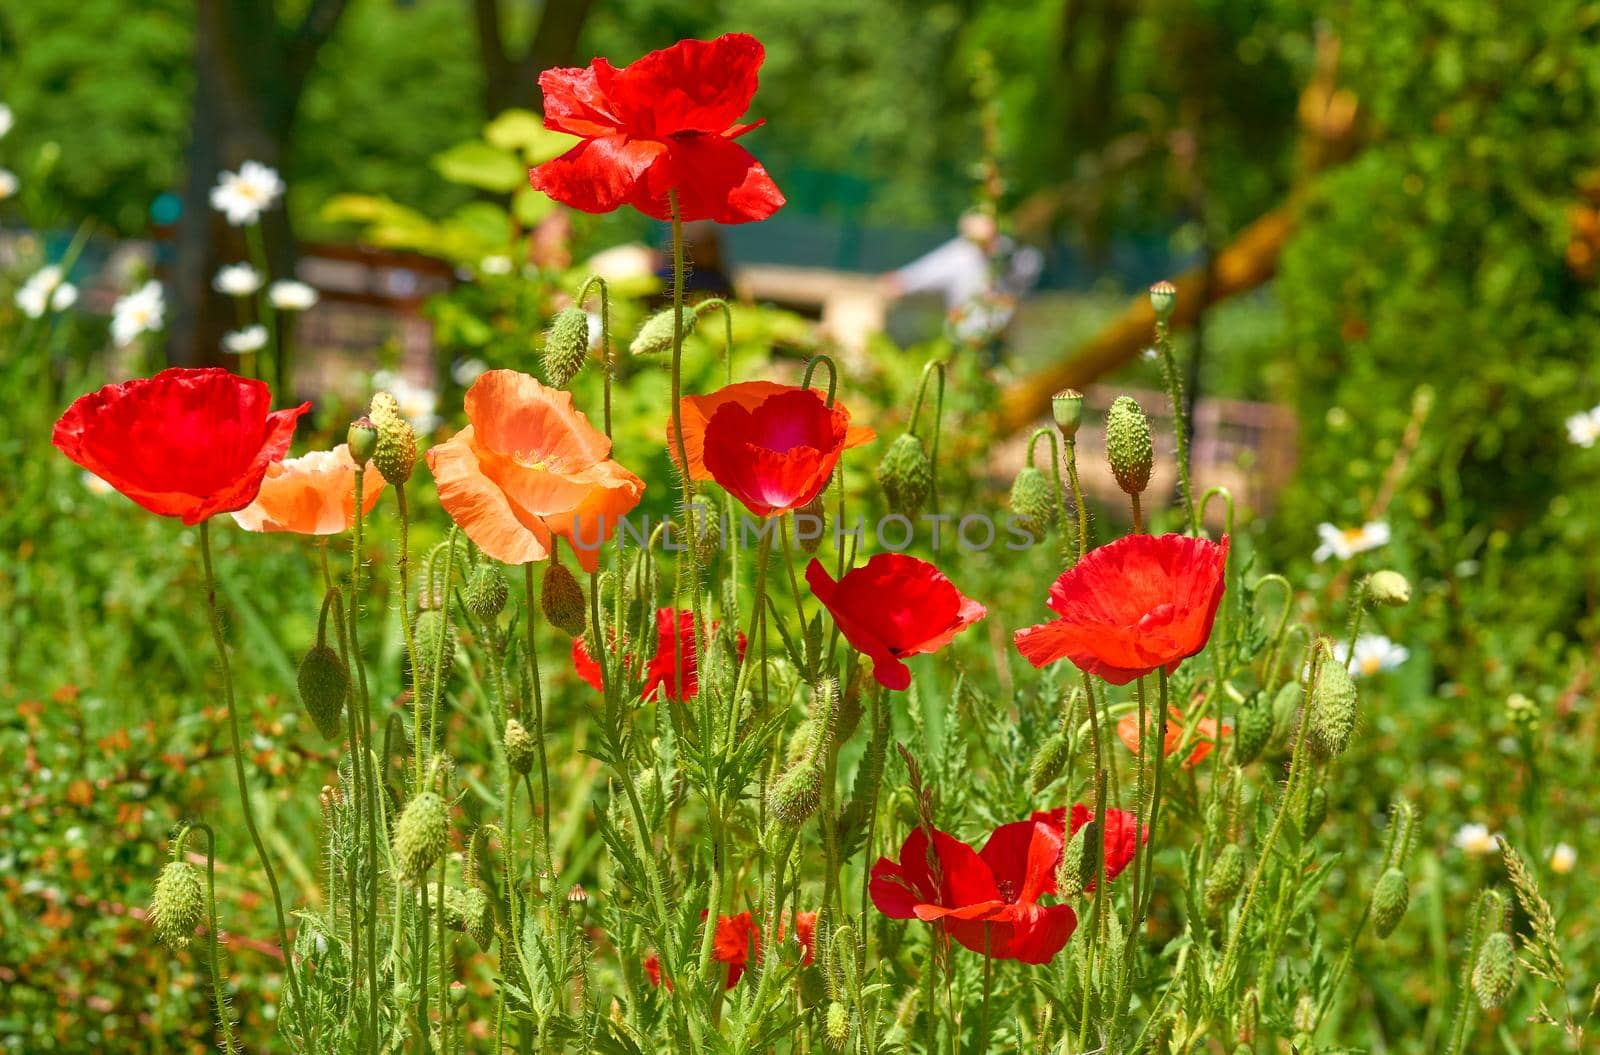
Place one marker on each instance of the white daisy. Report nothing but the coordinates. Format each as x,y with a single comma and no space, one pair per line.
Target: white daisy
237,280
6,120
418,403
1475,839
45,291
1345,543
243,342
288,295
1374,653
141,311
1563,859
1583,428
8,184
244,195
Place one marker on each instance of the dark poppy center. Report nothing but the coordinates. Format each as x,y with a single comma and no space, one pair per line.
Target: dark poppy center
1008,891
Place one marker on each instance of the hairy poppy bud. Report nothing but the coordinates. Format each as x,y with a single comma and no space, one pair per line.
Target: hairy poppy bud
1128,445
178,905
421,836
799,746
1390,898
1255,729
566,346
520,747
362,438
655,336
1333,709
1389,588
324,682
1066,406
1495,971
1077,869
1224,878
906,475
796,794
486,592
1032,501
1313,811
1163,298
701,532
395,454
561,599
810,524
837,1027
479,916
431,633
1048,762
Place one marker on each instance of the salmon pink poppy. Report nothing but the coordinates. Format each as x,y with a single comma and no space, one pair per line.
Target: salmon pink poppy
530,469
185,443
314,494
892,607
779,454
1133,606
1206,738
696,411
1119,840
673,663
987,900
665,123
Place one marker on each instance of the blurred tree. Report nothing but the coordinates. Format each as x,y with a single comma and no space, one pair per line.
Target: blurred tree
511,76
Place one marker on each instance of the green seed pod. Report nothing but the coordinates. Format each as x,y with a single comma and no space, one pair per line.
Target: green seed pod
431,631
1032,501
1333,709
486,592
1496,970
478,914
1389,588
421,836
324,681
1163,298
810,524
1225,877
1077,869
655,336
362,438
395,454
799,747
1390,898
566,346
561,599
837,1028
906,475
1048,762
520,747
1066,406
1128,445
1313,811
1255,730
796,794
178,906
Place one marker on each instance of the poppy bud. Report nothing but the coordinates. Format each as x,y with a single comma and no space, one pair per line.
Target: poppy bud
837,1028
324,681
178,905
906,475
1313,812
458,995
396,451
1128,445
1389,588
655,336
1048,762
486,592
1163,298
520,747
455,916
1077,868
799,746
702,533
576,895
1390,898
431,633
1333,709
362,438
1495,971
810,524
796,794
1032,501
1066,406
1255,729
478,914
561,599
566,346
421,836
1225,877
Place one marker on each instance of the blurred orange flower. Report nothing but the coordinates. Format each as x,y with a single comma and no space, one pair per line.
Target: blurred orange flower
1206,735
314,494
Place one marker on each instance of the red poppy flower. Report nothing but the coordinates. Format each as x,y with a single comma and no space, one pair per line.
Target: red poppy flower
733,942
184,443
1119,840
987,900
1133,606
674,639
894,606
1128,733
779,454
696,411
664,123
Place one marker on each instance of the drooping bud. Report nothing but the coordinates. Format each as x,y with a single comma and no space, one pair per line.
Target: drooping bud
431,634
178,905
837,1027
561,599
1224,878
362,438
486,592
1389,588
655,336
1390,899
1333,709
520,747
1032,502
1077,869
324,682
566,346
479,916
421,836
1255,729
1496,970
1048,761
906,475
796,794
810,524
395,454
1314,811
1128,445
1066,406
1163,298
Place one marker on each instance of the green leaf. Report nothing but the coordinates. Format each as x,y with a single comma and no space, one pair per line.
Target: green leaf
477,164
530,206
523,131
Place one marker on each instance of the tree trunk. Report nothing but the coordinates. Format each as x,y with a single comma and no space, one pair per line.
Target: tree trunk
512,81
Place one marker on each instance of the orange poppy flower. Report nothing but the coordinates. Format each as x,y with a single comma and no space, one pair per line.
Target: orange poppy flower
529,469
314,494
1128,733
696,411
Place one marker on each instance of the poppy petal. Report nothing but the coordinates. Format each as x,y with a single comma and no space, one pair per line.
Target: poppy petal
692,86
600,174
482,509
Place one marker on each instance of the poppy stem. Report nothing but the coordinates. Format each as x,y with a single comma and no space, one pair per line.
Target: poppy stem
690,554
1077,503
988,981
934,366
367,788
238,765
538,716
1155,800
596,282
1180,422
